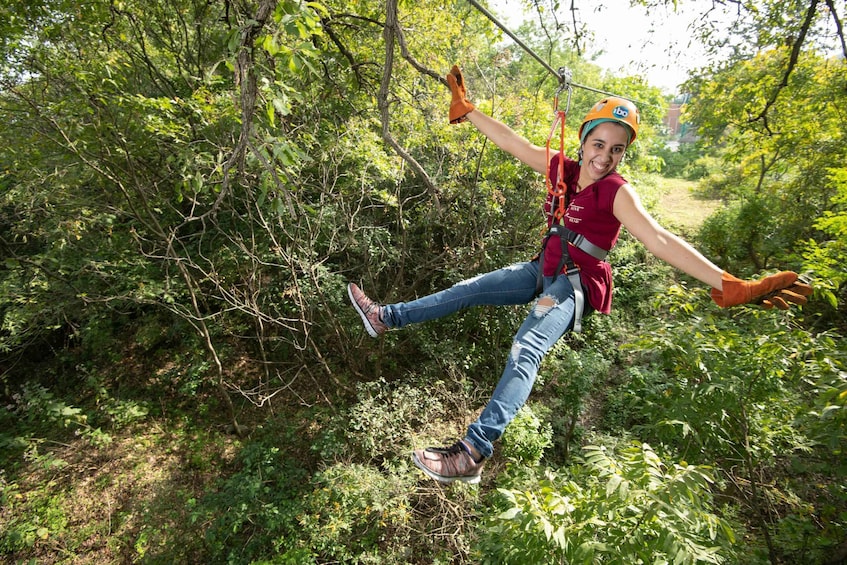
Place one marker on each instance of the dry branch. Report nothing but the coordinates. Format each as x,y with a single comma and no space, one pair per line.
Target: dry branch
390,32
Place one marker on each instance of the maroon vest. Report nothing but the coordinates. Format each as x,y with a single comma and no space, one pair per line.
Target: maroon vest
590,213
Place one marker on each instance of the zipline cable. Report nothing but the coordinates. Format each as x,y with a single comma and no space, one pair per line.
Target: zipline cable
562,75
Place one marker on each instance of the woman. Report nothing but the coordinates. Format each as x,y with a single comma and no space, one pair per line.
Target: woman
586,205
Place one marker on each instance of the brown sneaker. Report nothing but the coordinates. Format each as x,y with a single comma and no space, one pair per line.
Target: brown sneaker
448,464
370,311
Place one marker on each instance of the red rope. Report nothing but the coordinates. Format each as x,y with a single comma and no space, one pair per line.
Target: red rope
560,190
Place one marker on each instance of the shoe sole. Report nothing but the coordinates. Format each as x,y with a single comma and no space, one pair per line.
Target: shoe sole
473,479
370,329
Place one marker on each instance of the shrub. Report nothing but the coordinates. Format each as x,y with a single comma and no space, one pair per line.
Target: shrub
526,437
628,507
31,519
576,374
379,424
252,507
353,514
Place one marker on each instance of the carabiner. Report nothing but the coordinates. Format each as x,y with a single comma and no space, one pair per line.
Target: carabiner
564,76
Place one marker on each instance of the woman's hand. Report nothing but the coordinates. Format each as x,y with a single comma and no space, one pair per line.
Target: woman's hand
459,106
777,290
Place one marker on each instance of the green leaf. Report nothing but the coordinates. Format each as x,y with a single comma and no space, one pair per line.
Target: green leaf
510,514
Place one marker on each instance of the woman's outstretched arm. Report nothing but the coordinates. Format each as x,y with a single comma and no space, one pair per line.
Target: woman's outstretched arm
509,141
660,242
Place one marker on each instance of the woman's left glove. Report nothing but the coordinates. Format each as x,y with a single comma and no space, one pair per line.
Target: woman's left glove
459,106
774,290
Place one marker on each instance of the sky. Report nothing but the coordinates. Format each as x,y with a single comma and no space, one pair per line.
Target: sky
632,43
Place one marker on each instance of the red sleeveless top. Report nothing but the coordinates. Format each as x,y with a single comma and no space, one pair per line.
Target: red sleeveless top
589,213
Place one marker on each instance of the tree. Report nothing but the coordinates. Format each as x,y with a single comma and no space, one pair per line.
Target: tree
130,110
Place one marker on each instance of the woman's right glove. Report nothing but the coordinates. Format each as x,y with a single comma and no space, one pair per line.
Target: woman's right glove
459,106
774,290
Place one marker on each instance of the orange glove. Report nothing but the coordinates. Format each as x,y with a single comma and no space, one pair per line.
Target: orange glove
459,106
774,290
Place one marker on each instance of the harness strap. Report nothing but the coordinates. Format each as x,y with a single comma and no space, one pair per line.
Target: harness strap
578,299
570,268
579,241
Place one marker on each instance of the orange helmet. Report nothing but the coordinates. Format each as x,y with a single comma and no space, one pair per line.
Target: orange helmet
612,109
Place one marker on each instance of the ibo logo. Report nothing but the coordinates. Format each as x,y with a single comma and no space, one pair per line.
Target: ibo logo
620,112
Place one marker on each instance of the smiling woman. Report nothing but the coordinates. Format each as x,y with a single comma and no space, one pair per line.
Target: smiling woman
587,203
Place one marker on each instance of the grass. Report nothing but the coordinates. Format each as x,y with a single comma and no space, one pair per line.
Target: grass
113,503
678,207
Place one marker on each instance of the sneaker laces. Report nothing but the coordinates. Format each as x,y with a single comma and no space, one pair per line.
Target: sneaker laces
458,448
371,307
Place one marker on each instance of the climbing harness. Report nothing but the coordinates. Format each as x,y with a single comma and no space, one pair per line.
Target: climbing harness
567,265
558,192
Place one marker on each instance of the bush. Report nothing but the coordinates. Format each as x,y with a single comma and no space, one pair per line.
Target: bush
254,506
38,517
526,437
576,374
749,392
380,423
682,163
628,507
353,514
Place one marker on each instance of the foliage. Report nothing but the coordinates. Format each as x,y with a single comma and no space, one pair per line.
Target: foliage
682,162
36,414
355,514
262,496
187,187
379,423
747,394
272,508
40,517
613,507
746,232
527,437
775,188
576,372
824,259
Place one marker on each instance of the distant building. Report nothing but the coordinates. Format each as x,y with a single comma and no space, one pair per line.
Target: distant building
678,132
671,119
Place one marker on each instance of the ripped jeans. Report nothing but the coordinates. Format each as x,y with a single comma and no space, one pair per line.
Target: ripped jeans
539,332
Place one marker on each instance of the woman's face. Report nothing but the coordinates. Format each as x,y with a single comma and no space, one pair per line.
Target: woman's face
603,149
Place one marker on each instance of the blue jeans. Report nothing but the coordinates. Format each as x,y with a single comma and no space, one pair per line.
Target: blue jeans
549,319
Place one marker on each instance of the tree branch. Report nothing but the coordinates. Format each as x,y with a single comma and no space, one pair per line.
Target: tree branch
351,59
576,33
840,29
792,62
404,51
389,34
245,79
